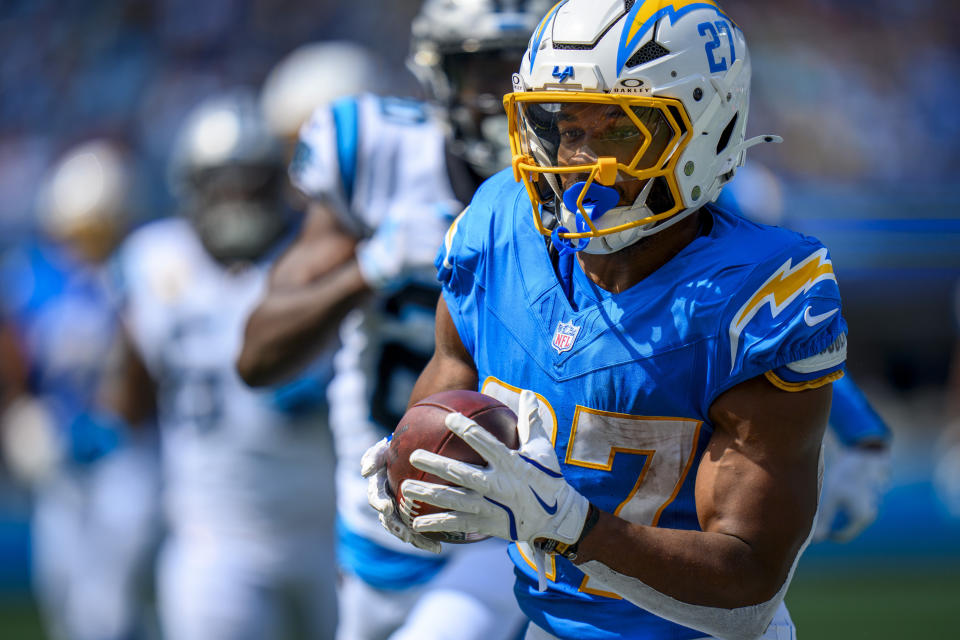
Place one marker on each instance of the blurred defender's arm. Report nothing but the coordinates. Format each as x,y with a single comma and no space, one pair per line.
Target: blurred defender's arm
127,389
450,367
312,288
13,367
28,446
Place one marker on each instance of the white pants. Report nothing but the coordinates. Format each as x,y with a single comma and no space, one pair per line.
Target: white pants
94,534
781,628
218,588
470,599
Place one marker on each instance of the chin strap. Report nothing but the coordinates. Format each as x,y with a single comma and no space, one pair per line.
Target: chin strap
584,198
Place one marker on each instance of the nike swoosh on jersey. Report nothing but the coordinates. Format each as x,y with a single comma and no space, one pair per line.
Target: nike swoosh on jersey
550,509
814,320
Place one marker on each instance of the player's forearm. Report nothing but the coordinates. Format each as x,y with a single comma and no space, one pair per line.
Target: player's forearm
695,567
291,325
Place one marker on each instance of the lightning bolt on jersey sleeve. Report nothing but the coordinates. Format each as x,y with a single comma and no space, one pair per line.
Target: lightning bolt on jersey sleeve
784,319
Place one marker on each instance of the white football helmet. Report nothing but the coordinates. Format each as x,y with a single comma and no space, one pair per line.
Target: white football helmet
227,170
627,116
461,52
84,201
313,76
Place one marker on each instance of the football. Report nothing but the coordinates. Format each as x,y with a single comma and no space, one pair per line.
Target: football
422,427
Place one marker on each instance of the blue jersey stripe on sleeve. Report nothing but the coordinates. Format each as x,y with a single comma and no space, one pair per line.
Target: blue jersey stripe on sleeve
345,117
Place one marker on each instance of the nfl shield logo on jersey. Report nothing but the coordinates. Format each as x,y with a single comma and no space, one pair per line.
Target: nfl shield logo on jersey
564,336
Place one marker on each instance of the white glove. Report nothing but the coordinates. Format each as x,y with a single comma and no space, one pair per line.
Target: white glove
31,445
373,466
403,247
852,488
520,495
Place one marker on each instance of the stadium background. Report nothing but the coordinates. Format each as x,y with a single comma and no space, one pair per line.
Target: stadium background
865,93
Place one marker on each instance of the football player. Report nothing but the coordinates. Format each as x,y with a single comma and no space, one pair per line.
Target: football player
670,363
249,523
385,176
94,480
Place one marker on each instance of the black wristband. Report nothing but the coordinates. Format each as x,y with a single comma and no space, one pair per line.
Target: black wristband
569,551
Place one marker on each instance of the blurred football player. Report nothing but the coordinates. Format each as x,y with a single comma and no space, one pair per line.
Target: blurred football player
670,363
385,176
249,551
94,480
857,456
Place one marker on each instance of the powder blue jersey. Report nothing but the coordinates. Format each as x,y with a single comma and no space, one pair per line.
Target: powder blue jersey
65,321
626,381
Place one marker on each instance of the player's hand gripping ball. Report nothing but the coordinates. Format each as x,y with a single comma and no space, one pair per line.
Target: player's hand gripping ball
422,427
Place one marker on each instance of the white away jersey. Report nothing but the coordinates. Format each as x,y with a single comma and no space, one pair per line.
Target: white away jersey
235,461
370,158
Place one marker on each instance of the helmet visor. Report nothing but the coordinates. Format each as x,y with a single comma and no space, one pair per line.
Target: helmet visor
626,141
578,134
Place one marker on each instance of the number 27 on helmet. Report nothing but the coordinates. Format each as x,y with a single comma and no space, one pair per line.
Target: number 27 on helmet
627,116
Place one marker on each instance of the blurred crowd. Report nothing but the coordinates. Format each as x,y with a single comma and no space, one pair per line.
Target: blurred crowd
129,69
860,89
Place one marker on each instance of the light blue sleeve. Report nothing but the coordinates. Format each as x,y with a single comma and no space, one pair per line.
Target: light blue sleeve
785,322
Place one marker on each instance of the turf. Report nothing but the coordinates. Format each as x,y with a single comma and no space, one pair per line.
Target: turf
19,619
878,606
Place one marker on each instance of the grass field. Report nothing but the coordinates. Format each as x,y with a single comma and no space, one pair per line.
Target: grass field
876,606
883,606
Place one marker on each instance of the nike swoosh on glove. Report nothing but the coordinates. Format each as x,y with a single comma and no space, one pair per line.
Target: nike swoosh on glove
520,495
373,466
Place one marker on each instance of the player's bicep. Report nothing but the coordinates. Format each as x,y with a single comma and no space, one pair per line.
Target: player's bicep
759,477
451,366
321,247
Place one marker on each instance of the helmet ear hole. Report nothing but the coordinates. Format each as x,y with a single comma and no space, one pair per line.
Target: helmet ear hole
725,136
